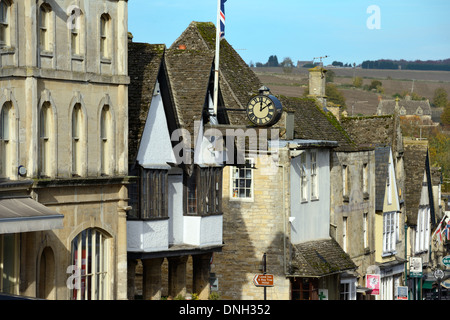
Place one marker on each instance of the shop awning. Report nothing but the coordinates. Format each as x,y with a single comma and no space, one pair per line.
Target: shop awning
25,215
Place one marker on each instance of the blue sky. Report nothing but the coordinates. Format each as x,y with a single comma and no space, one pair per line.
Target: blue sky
302,30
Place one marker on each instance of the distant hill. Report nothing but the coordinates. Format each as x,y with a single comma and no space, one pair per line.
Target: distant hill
435,65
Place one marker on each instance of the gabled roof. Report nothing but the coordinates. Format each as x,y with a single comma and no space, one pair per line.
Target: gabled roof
144,63
375,131
319,258
381,175
189,73
415,160
237,82
411,107
312,123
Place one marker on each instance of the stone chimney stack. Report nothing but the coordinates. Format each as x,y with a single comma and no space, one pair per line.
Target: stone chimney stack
317,84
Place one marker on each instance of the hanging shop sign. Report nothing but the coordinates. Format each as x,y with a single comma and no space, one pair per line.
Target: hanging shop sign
373,283
415,267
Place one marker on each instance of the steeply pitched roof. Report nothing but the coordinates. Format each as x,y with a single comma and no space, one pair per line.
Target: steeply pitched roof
381,175
414,162
319,258
238,83
189,74
144,62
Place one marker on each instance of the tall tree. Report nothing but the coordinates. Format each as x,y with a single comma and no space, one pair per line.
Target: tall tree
440,98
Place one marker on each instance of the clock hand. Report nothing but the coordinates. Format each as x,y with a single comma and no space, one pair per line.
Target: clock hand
265,107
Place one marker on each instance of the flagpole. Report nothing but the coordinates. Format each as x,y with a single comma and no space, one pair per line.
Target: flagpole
216,64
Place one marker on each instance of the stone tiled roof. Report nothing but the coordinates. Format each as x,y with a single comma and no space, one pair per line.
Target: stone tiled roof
409,107
144,62
319,258
414,162
312,123
237,82
375,131
381,175
189,74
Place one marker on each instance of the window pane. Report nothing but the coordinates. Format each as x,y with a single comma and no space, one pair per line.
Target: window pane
8,261
88,254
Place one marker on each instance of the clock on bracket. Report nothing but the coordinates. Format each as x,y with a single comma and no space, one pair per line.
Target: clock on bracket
264,110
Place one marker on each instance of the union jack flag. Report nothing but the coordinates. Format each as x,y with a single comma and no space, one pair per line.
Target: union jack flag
222,18
447,231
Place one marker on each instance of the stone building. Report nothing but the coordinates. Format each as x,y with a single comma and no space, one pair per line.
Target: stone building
406,108
63,87
176,222
384,135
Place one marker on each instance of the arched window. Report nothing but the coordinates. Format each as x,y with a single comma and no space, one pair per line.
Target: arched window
90,259
5,145
44,27
5,14
77,134
46,277
104,36
105,140
45,140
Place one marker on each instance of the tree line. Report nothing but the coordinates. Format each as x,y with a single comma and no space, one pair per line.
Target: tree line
436,65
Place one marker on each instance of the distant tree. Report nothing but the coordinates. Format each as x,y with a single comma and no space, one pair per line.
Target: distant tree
440,98
337,64
273,61
445,116
334,95
287,65
329,76
374,84
357,82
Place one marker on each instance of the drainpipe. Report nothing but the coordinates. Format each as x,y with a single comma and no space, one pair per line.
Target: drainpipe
406,254
284,220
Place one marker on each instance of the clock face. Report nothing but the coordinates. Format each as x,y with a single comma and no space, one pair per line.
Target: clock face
261,110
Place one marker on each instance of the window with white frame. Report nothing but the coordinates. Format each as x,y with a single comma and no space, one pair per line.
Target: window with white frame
105,140
77,133
45,139
422,240
344,234
90,258
345,181
389,232
348,289
5,144
314,177
389,186
5,14
242,180
303,177
365,230
44,26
